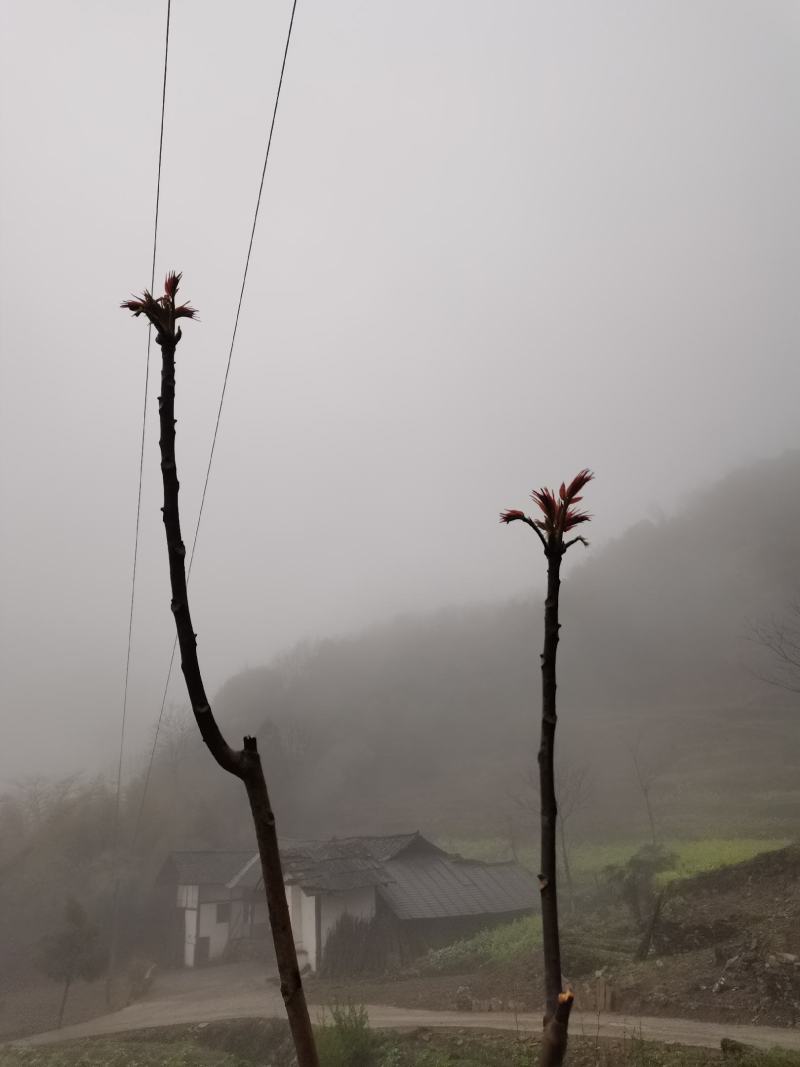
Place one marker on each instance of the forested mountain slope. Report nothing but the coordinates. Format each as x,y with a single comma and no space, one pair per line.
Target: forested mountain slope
432,720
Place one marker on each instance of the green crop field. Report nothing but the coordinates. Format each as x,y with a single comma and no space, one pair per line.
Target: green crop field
588,860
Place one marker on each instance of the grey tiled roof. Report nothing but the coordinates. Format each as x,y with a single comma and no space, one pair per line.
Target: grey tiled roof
341,863
438,887
331,866
416,879
390,846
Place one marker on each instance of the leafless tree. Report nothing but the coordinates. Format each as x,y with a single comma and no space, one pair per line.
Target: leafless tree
573,792
648,766
780,640
174,738
163,314
560,516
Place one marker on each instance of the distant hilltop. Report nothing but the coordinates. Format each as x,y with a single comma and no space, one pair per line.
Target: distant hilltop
436,712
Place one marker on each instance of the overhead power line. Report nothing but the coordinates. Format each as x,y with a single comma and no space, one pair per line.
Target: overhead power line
221,403
142,440
116,831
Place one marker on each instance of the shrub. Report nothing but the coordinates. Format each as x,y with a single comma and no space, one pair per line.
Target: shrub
347,1041
776,1057
635,880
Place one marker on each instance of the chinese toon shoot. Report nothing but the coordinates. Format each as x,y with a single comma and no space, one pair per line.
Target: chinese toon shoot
164,314
559,516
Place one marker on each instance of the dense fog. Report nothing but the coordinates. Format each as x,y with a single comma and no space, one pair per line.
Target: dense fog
498,244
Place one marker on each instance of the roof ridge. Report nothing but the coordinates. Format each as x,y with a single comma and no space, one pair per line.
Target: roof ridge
378,837
240,874
209,851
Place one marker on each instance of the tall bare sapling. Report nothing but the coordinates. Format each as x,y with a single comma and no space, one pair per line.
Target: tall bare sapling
163,314
559,517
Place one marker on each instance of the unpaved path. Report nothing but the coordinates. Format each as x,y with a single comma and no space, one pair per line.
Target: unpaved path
245,991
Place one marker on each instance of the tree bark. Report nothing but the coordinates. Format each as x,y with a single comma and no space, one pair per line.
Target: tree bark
244,764
554,1039
113,944
643,951
547,792
63,1004
559,517
645,777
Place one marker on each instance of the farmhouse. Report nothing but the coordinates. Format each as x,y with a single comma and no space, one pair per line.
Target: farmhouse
404,886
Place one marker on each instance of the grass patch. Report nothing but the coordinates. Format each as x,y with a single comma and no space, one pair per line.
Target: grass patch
109,1053
345,1041
500,945
776,1057
229,1043
695,857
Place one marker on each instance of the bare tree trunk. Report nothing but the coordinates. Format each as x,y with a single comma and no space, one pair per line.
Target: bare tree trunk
512,839
650,818
556,1010
645,777
114,942
244,764
560,515
63,1004
547,792
643,950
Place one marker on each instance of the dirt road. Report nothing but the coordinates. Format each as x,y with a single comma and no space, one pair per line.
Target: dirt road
243,991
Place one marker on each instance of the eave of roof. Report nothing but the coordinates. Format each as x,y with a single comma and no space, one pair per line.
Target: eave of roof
203,867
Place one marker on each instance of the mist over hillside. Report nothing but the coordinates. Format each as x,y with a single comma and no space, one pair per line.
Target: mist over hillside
433,719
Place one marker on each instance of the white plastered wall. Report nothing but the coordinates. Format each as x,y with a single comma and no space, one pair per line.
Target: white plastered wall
302,915
216,932
187,898
360,903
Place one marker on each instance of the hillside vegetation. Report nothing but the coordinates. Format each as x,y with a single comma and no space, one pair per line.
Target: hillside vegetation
433,716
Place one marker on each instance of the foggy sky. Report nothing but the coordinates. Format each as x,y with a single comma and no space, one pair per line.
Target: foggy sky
499,242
